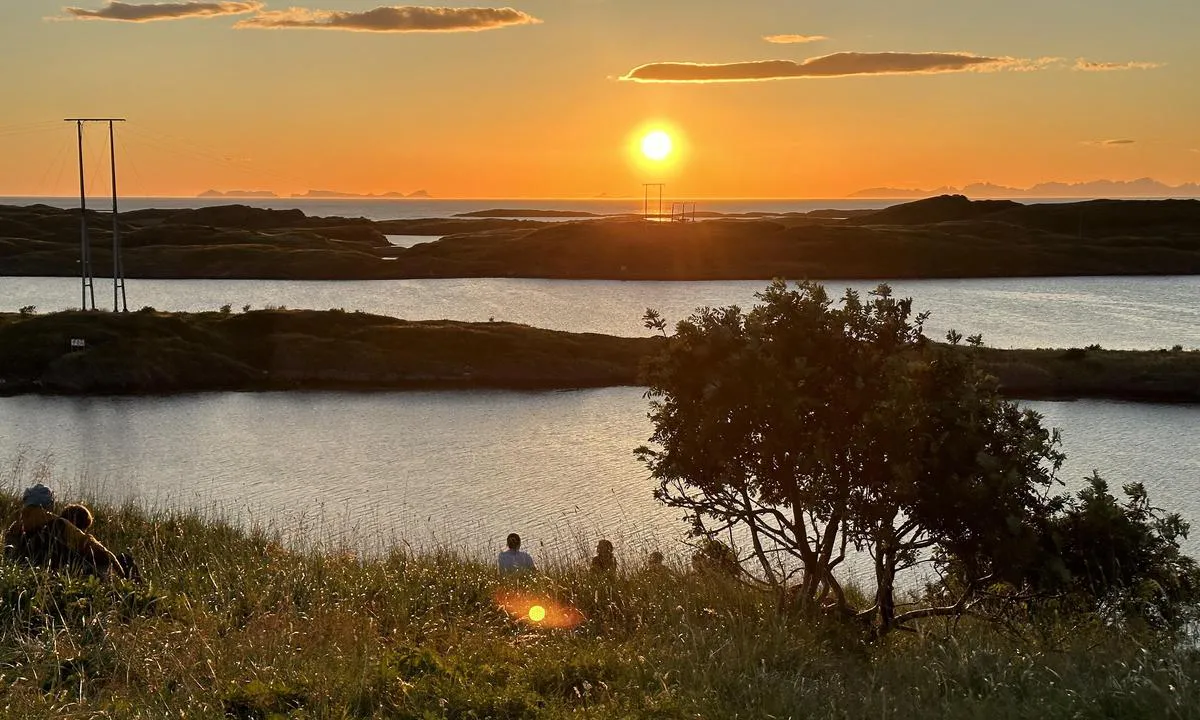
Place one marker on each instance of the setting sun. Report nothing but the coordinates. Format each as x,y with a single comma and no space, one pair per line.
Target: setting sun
656,145
537,613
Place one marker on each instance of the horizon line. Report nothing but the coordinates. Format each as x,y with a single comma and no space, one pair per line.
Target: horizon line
629,197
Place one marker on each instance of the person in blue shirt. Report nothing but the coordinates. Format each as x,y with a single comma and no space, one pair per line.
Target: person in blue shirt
513,560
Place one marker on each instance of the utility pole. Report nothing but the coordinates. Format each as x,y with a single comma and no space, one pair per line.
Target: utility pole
646,199
85,250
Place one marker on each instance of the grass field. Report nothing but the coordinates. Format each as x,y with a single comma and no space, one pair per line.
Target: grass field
231,623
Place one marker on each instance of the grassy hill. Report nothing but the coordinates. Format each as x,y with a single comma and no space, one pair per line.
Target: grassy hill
948,236
232,623
153,352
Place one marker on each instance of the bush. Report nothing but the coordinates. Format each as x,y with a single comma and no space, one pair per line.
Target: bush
27,310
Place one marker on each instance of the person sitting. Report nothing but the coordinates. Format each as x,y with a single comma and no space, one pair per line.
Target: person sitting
78,515
513,560
654,564
43,539
715,558
81,517
604,562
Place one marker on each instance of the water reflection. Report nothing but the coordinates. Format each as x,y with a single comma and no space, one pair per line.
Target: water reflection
1122,312
466,468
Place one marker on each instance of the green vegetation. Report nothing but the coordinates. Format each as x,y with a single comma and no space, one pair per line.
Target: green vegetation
234,624
871,436
942,237
812,429
277,349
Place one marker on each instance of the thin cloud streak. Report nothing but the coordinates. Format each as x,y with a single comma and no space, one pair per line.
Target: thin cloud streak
130,12
793,39
1085,65
1110,143
841,64
395,19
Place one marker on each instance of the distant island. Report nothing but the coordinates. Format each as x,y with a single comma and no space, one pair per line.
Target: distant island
328,194
237,194
945,237
151,352
1141,188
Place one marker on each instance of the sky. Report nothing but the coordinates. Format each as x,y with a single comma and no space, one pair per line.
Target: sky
550,98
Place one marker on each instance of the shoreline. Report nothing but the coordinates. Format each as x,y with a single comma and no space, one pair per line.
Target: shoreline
160,354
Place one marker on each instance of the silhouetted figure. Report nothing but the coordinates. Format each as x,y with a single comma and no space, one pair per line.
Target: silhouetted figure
513,560
78,515
714,557
604,562
654,564
41,538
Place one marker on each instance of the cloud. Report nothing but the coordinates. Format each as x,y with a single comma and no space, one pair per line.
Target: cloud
129,12
1110,143
791,39
1091,66
836,65
392,19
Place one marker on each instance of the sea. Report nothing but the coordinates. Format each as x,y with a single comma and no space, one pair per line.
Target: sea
398,209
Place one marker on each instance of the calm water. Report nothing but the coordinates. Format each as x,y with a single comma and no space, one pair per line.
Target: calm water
435,208
410,240
1116,312
465,468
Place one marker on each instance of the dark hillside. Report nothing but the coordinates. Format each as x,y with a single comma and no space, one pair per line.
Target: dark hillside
933,210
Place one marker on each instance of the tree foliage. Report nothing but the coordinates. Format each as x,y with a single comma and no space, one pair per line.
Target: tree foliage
809,430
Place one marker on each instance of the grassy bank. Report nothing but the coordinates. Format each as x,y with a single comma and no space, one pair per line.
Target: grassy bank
153,352
233,624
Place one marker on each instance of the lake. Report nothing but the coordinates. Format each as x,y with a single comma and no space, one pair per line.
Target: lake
464,468
1114,312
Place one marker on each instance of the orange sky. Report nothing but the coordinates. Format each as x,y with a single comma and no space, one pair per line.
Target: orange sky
544,99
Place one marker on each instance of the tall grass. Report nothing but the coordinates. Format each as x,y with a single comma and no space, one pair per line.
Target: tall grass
233,622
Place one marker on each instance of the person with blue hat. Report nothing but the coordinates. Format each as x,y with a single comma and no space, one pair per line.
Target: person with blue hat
41,538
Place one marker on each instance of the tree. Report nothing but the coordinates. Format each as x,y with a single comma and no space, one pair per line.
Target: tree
811,428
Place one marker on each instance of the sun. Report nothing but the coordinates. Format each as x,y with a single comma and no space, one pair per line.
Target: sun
657,145
537,613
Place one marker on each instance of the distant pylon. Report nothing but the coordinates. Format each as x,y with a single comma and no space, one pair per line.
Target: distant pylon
87,280
646,199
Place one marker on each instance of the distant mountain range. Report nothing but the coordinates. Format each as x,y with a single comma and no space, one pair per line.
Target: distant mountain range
315,194
1143,187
